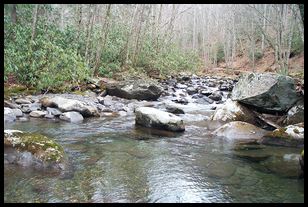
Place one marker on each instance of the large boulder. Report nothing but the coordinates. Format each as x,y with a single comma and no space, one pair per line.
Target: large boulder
290,136
137,89
233,111
66,104
39,149
240,131
151,117
266,91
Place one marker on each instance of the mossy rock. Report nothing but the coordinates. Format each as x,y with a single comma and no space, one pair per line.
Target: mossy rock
42,147
290,136
279,133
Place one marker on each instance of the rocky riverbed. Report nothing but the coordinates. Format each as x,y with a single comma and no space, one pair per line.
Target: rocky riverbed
211,107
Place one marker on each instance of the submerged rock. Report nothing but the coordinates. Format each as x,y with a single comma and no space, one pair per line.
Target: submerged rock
267,92
290,136
254,153
71,116
233,111
287,168
240,131
34,149
136,89
151,117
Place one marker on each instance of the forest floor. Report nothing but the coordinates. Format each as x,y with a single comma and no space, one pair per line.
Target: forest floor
264,64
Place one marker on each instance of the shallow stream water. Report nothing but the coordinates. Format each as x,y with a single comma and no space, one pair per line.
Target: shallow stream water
112,160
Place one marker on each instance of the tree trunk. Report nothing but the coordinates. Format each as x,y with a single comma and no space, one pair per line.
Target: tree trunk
138,35
14,14
129,36
102,40
35,11
89,33
262,43
301,9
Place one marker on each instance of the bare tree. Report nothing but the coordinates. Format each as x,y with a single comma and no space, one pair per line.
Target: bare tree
102,40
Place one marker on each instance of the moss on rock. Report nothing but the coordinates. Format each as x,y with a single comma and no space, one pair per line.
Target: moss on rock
278,133
39,145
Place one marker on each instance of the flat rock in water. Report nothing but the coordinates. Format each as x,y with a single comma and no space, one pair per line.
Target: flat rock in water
23,101
66,104
220,170
290,136
10,104
38,114
54,111
71,116
151,117
233,111
266,91
240,131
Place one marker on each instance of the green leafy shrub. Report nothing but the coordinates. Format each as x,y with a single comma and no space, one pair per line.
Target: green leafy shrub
220,54
47,62
258,55
297,45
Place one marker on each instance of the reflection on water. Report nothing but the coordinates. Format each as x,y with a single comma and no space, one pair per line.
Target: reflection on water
114,161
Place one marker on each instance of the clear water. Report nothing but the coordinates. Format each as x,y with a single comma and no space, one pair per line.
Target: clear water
113,161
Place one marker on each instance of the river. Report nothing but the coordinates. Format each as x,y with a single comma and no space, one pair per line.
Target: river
112,160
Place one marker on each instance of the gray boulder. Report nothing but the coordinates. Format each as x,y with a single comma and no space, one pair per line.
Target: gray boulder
216,96
138,89
191,90
174,109
54,111
23,101
10,104
38,114
266,91
151,117
17,112
65,105
72,116
9,115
